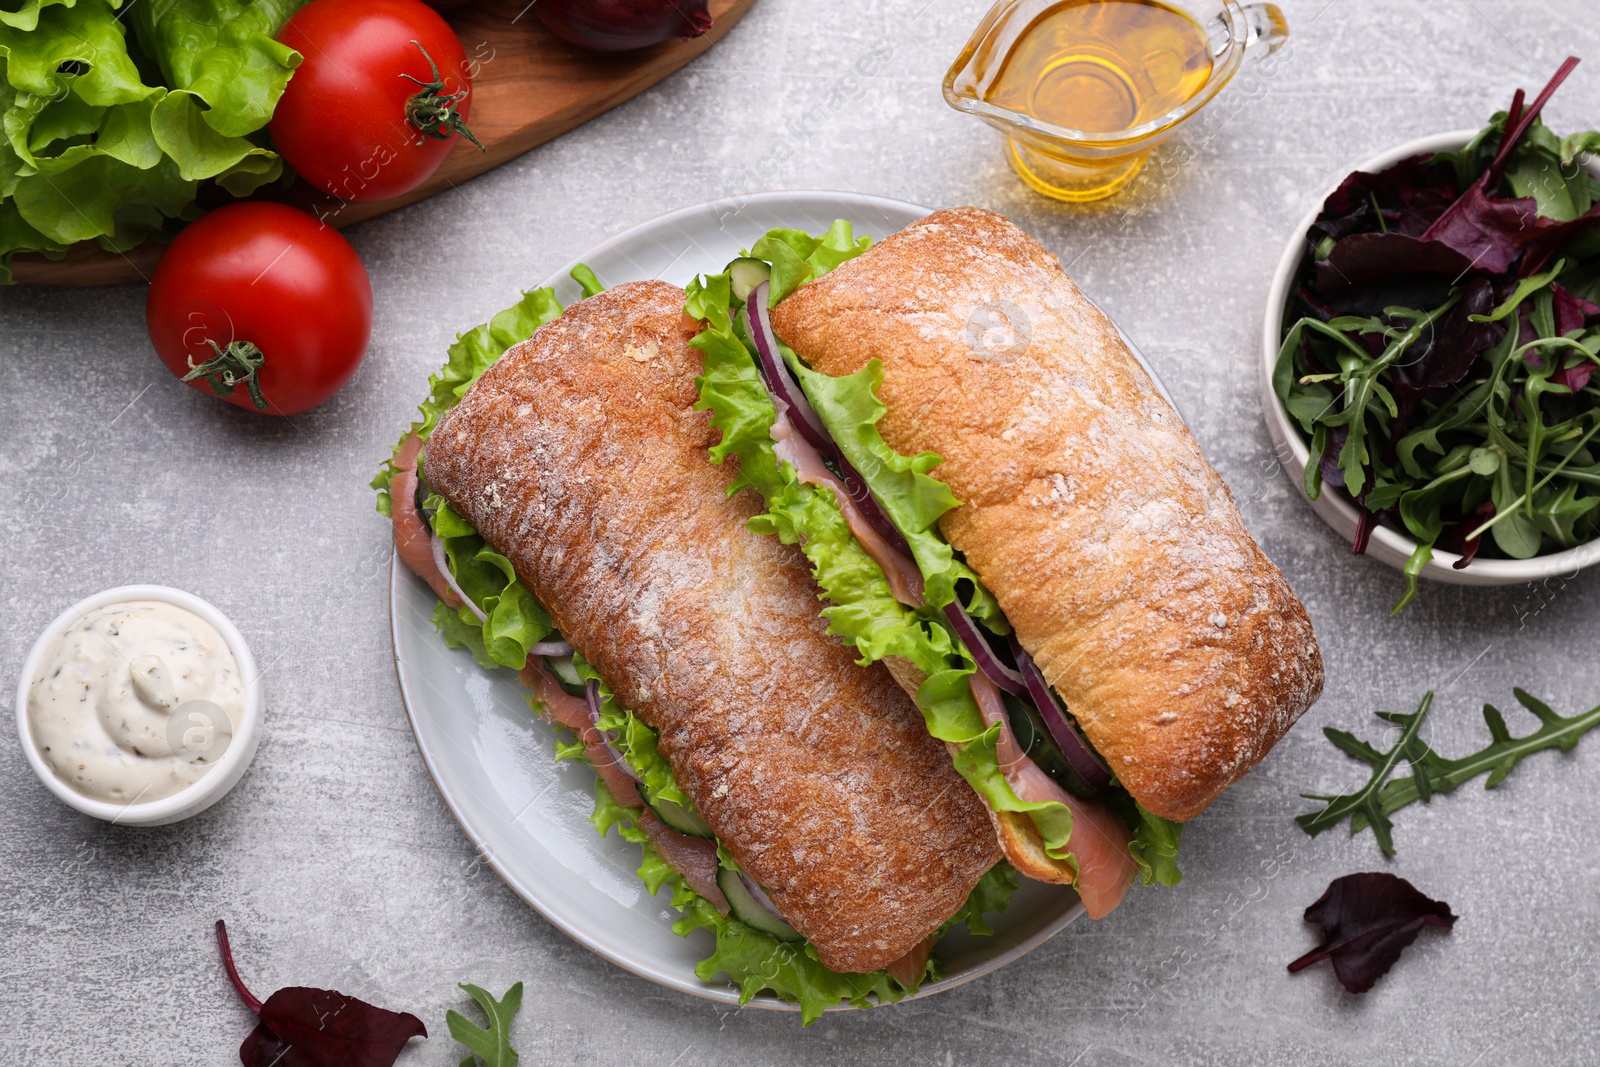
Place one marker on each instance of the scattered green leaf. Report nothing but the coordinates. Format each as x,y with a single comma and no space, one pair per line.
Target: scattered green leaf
490,1045
1383,795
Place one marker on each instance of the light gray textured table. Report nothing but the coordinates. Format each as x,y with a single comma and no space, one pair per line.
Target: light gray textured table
335,862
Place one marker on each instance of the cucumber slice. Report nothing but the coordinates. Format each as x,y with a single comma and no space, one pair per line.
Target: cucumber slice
1033,737
744,274
566,674
748,911
682,819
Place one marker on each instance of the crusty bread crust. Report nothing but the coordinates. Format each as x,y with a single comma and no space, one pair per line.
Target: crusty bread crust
579,457
1113,547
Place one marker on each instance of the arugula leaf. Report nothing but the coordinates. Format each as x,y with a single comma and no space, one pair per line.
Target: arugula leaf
1382,795
491,1044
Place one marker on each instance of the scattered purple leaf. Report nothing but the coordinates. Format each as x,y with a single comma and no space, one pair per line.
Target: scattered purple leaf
1367,920
304,1027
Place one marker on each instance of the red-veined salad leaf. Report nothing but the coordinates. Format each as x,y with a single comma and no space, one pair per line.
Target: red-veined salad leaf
1367,920
304,1027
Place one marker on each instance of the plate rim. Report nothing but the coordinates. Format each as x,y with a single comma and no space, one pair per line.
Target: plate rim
722,992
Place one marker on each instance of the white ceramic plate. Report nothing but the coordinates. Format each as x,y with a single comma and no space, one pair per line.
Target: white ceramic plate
494,762
1390,545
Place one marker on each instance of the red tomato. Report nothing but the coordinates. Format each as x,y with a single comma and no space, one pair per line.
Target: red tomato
367,116
271,306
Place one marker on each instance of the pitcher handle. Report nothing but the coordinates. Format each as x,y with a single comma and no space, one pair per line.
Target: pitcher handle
1265,31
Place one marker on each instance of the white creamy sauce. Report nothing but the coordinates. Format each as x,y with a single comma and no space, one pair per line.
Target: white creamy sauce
135,701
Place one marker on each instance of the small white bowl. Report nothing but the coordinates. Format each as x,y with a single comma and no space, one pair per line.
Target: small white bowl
210,787
1389,545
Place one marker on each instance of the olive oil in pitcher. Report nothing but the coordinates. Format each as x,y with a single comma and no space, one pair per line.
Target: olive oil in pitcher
1083,89
1100,66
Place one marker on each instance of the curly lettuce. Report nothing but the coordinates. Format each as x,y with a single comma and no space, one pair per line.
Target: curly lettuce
755,961
750,959
468,357
221,55
860,608
94,145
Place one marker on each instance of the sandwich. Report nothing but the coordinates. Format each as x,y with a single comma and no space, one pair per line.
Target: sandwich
559,498
998,505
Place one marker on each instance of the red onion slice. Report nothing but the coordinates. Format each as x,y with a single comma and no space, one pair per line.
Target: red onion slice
871,510
550,648
1085,760
780,383
998,673
788,396
443,564
591,695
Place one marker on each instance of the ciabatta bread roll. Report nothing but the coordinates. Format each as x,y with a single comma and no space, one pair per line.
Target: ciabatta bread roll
580,458
1088,510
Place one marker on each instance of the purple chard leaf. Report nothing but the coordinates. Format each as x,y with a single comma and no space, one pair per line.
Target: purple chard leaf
1367,920
304,1027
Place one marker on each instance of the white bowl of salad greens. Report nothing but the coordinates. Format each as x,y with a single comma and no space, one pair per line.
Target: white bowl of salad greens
1432,325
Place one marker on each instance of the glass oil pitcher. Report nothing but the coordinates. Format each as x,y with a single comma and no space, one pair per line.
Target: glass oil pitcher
1084,89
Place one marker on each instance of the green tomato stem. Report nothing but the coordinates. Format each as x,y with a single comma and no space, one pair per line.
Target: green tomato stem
238,364
432,112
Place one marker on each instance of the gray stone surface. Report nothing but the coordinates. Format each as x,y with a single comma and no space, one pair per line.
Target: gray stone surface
335,862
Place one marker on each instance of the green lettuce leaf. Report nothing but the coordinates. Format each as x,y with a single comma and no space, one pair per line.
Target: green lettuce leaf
223,53
92,151
914,500
608,813
797,257
635,741
515,620
472,353
755,961
991,896
1155,848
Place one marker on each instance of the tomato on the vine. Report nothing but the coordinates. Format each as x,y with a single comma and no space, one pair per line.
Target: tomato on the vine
262,305
372,110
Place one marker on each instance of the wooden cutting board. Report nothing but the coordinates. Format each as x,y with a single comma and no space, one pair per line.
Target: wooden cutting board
530,86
